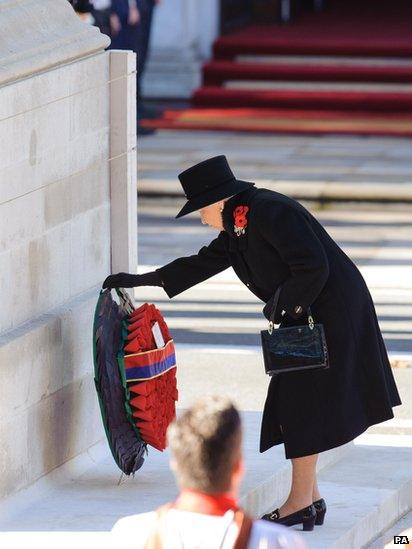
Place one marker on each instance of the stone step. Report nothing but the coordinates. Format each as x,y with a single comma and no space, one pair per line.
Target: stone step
365,493
85,494
231,46
402,527
299,188
325,60
315,99
294,86
367,487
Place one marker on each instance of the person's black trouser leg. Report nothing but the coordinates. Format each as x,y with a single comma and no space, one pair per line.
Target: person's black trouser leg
146,8
136,38
102,20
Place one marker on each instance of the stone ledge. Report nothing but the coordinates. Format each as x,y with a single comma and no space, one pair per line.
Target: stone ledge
365,493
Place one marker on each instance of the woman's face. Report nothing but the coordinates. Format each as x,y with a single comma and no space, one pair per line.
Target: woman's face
212,216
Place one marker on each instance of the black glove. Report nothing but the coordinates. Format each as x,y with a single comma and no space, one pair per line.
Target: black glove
267,309
127,280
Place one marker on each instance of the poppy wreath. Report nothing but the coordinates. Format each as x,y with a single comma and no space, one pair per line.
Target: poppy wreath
135,379
239,215
150,374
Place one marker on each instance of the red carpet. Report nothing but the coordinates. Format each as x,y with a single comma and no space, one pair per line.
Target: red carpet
352,101
311,95
216,73
346,27
320,34
286,121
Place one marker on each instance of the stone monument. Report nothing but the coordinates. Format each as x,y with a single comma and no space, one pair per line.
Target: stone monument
67,218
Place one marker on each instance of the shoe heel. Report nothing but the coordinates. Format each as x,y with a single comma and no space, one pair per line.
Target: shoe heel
309,523
320,517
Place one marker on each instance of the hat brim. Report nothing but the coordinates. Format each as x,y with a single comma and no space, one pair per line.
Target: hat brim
235,186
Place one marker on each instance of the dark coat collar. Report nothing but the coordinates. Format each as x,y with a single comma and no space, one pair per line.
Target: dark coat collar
237,243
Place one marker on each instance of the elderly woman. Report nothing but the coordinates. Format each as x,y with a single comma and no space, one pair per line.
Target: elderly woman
271,240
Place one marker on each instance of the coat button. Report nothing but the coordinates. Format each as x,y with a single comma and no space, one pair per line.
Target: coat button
298,309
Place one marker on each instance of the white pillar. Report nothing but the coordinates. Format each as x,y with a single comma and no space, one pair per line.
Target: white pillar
123,165
183,34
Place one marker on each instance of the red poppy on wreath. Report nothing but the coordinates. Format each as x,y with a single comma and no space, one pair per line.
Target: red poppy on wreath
239,215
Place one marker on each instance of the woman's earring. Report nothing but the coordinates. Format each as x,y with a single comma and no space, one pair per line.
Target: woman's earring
221,209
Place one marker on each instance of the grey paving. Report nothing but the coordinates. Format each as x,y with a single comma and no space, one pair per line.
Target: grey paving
328,167
222,312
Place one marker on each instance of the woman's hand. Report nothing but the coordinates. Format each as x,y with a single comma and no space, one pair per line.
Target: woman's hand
115,24
134,16
128,280
121,280
267,309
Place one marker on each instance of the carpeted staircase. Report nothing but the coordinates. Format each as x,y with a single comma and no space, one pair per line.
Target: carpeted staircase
346,70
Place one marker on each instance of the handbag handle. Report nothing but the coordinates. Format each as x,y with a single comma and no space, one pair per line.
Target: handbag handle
275,304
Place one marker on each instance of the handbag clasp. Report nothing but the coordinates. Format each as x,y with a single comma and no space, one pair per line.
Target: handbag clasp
270,329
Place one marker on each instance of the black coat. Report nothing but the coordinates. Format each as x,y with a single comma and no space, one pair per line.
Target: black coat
314,410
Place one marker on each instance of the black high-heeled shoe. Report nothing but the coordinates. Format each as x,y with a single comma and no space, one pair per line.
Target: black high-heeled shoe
320,507
306,516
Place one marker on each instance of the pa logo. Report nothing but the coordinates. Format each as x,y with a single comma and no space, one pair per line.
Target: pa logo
401,540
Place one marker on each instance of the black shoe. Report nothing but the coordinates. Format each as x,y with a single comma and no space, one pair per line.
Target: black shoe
150,112
320,507
306,516
141,130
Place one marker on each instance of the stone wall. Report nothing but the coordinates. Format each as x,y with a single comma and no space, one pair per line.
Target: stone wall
56,229
54,187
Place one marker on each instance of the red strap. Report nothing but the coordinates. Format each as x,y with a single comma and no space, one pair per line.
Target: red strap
244,524
154,541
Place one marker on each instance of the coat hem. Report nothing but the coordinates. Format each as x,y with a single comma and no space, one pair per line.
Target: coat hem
290,454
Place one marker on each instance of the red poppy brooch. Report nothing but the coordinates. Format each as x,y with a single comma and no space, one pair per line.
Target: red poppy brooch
239,214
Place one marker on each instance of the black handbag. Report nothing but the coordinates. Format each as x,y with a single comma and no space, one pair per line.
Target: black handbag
293,348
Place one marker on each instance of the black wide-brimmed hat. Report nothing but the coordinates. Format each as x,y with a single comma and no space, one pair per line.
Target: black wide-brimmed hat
208,182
